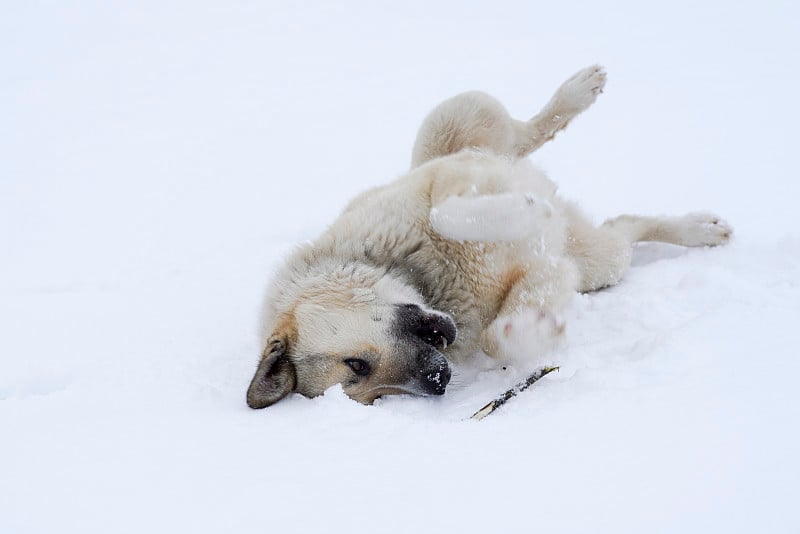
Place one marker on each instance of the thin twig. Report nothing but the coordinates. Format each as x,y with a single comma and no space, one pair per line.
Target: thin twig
513,392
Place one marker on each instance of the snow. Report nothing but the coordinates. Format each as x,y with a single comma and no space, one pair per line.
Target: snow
157,160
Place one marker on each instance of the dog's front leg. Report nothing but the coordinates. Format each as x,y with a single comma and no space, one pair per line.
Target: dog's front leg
508,216
527,325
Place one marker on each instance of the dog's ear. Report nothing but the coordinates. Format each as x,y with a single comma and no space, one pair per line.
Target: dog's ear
275,377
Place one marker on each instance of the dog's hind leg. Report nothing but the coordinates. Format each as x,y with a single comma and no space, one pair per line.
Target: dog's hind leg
476,120
603,254
692,230
573,97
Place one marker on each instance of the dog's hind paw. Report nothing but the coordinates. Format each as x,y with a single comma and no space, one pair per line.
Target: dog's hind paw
705,229
581,90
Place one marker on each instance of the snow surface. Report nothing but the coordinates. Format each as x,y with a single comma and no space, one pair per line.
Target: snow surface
157,159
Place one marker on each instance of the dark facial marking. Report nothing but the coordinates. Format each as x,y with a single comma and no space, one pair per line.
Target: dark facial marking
424,335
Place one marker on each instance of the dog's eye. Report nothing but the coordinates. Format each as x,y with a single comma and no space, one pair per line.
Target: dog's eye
359,367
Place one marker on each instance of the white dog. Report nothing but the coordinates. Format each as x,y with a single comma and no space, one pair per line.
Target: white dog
471,250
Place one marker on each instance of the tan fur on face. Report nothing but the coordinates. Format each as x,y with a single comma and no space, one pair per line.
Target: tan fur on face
347,315
286,328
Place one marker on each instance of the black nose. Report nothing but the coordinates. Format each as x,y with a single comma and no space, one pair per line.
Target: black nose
437,380
434,371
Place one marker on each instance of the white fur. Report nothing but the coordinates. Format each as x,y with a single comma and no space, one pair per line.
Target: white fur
473,231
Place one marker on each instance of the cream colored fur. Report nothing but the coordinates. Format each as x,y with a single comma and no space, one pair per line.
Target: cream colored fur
473,231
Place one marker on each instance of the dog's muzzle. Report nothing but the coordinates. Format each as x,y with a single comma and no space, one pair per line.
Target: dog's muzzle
430,333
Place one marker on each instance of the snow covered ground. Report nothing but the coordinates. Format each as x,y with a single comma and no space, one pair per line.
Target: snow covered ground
158,159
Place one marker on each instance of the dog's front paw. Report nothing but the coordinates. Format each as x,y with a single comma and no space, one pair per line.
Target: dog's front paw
705,229
500,217
581,90
528,334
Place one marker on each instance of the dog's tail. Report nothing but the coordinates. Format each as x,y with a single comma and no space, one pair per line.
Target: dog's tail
476,120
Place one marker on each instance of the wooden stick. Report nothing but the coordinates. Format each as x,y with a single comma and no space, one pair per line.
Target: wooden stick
513,392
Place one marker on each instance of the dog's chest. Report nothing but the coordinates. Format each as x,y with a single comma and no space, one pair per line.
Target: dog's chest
457,277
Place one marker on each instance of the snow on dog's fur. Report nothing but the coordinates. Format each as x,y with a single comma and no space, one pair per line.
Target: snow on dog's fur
471,250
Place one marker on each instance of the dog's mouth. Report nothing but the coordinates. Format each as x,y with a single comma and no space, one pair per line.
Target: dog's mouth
437,330
432,384
384,391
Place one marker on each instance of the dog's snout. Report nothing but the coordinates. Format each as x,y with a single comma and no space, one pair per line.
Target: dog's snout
426,333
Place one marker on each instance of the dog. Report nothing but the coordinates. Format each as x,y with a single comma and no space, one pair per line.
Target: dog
471,251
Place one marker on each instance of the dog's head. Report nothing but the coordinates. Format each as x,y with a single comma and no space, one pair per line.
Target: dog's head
374,338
